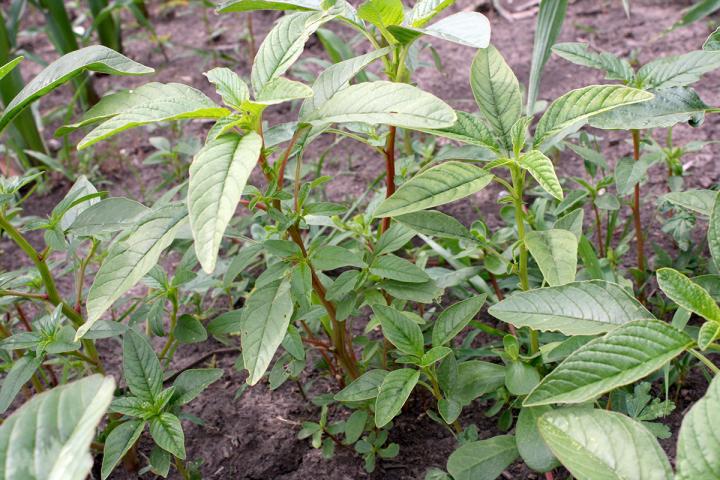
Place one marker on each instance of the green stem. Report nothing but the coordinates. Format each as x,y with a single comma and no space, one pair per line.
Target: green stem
173,323
706,361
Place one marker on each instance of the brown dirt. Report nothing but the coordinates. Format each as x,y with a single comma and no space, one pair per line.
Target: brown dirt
254,436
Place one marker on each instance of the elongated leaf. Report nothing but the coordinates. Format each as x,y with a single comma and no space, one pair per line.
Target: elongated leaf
424,10
580,54
600,445
49,437
95,58
698,445
382,14
713,234
233,90
468,129
190,383
120,440
365,387
266,317
497,91
698,201
555,252
578,105
471,29
549,23
21,372
218,175
280,90
713,41
435,186
167,433
402,332
168,102
476,378
107,216
530,444
580,308
688,294
383,102
10,66
698,11
670,106
709,332
283,45
141,367
397,268
482,460
621,357
630,172
394,392
454,318
130,259
678,71
251,5
542,170
438,224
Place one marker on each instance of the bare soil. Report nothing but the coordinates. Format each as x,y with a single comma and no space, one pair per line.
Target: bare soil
254,436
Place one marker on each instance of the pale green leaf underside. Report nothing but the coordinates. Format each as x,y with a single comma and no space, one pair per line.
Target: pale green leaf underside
424,10
698,449
623,356
469,129
96,58
543,171
678,71
580,308
165,102
713,234
280,89
603,445
471,29
218,175
233,90
555,252
435,186
130,259
580,54
49,437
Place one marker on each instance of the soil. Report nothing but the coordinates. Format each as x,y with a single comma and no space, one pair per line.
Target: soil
253,436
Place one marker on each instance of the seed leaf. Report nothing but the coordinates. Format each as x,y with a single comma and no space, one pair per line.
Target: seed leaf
218,174
688,294
435,186
482,460
579,308
394,392
623,356
698,443
555,252
600,444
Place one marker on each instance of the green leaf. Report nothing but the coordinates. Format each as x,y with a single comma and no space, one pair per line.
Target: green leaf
580,308
670,106
393,393
283,45
402,332
713,41
555,252
576,106
454,318
437,224
166,102
698,11
49,437
189,330
130,259
383,102
580,54
365,387
530,444
190,383
426,292
331,257
382,14
434,355
10,66
218,174
266,317
688,294
497,92
542,170
396,268
698,442
233,90
698,201
678,71
713,234
107,216
623,356
120,440
355,426
470,29
425,10
95,58
709,332
630,172
549,23
159,461
476,378
482,460
167,433
600,445
141,367
280,90
468,128
21,372
435,186
252,5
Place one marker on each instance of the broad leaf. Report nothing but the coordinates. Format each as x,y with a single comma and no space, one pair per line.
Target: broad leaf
471,29
602,445
623,356
698,448
678,71
167,433
496,91
95,58
266,317
698,201
630,172
530,444
713,234
383,102
713,41
165,102
469,129
475,378
580,308
580,54
131,258
109,215
190,383
425,10
454,318
555,252
482,460
382,14
394,392
542,170
120,440
252,5
576,106
400,330
365,387
688,294
437,224
218,174
397,268
435,186
141,367
49,437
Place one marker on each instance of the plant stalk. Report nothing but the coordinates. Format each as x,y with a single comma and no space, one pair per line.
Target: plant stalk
636,207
